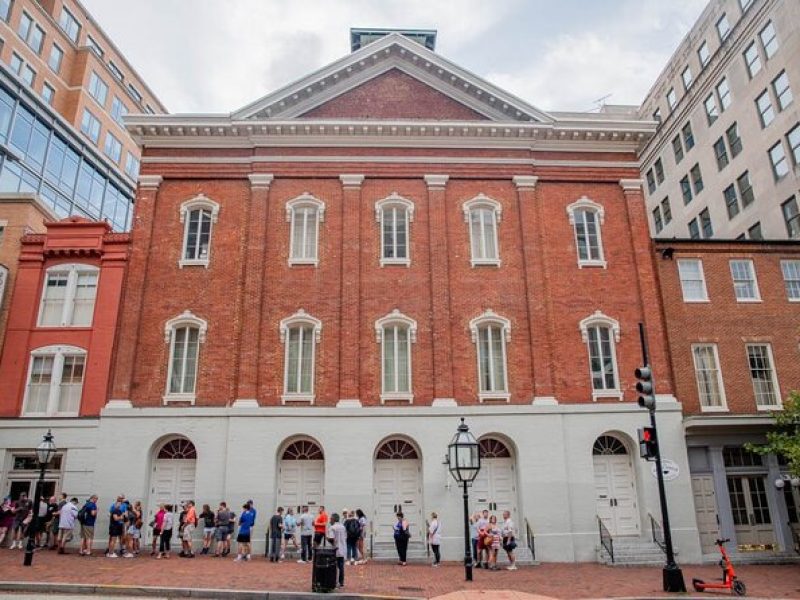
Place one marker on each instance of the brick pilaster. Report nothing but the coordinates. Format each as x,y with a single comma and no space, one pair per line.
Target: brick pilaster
249,327
350,307
130,322
537,297
440,288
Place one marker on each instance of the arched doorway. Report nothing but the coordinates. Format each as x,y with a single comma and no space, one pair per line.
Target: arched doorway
173,475
398,487
495,487
301,475
615,486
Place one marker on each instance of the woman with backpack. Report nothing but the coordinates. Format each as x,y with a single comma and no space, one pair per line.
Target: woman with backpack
401,536
353,529
435,538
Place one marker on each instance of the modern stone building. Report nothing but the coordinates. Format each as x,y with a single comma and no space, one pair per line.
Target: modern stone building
733,325
725,160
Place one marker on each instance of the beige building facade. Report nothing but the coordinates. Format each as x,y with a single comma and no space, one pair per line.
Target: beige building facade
725,161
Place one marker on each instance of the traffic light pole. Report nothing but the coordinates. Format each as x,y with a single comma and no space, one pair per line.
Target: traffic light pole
672,574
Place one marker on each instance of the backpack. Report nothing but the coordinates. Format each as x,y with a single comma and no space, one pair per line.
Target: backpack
402,533
83,513
353,528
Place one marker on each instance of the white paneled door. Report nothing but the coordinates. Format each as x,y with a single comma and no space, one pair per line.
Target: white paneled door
495,489
300,483
397,488
705,507
172,482
616,493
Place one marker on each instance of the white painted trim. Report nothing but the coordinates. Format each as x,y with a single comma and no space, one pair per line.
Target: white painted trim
187,317
599,319
490,396
68,308
349,403
586,204
444,402
245,403
169,398
394,200
304,200
397,318
479,202
705,299
58,352
544,401
150,182
199,202
436,182
301,317
260,180
351,180
489,317
525,182
773,372
755,280
615,394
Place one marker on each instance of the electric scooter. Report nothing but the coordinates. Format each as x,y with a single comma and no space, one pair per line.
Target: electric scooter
729,580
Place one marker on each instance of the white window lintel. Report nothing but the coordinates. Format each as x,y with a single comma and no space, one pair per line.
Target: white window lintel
305,199
598,318
482,201
185,318
301,317
394,199
490,317
396,317
587,204
199,201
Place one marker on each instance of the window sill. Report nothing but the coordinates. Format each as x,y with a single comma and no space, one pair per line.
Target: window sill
494,397
713,409
793,299
70,327
71,415
769,407
170,398
704,301
592,263
303,261
400,262
748,300
193,262
610,394
302,398
397,397
494,262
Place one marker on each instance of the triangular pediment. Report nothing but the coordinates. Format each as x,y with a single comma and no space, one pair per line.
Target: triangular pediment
447,91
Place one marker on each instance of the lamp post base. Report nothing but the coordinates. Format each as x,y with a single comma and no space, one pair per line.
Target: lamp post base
673,579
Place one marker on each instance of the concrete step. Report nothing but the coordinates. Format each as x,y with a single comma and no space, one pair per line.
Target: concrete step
632,551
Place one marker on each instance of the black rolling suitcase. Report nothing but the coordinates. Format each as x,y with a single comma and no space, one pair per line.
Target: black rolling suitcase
323,574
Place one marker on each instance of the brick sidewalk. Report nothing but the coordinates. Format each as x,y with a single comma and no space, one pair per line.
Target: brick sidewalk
582,580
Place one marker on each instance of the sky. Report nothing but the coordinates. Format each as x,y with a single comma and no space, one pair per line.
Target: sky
219,55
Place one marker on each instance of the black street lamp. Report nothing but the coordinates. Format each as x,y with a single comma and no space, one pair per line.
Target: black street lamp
44,454
464,462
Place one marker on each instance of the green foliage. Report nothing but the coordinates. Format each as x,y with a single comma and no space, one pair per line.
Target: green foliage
784,439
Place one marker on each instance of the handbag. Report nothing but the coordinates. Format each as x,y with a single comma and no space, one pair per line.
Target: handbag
488,540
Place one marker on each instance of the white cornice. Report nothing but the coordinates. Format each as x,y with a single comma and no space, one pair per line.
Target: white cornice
351,180
436,182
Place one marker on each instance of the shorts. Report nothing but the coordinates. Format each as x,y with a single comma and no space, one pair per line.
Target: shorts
208,530
318,537
134,532
65,531
186,534
243,538
220,533
19,526
87,532
288,536
156,532
116,530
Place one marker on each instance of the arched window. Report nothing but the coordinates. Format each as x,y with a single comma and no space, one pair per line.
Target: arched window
482,214
68,296
586,218
304,214
395,333
184,334
178,449
490,332
608,444
494,448
397,450
198,216
601,333
300,334
55,381
303,450
394,213
3,278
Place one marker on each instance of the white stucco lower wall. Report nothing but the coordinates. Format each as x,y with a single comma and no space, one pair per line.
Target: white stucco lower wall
237,459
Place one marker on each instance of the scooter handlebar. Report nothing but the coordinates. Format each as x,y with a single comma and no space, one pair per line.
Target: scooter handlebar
720,542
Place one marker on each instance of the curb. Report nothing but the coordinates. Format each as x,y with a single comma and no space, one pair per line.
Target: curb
172,592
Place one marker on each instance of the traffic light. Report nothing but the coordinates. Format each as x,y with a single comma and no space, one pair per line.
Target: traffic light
648,445
647,396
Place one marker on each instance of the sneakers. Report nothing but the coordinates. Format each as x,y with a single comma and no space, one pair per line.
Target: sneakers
238,558
111,555
301,562
512,568
128,555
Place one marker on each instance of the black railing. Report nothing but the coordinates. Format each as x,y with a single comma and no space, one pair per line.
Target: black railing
530,540
427,539
605,538
371,540
657,533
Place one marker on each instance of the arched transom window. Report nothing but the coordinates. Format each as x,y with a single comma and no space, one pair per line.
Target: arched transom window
198,216
395,333
490,333
601,333
608,444
184,334
178,449
494,448
303,450
482,214
586,218
68,296
397,450
304,214
394,214
55,381
300,334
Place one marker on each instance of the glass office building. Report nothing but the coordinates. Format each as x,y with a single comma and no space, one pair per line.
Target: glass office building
40,152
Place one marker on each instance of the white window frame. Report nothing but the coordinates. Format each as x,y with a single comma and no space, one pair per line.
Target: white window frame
602,320
774,376
785,264
396,318
489,317
752,269
482,201
584,203
3,275
58,352
68,310
302,318
304,200
187,318
199,202
686,76
725,32
394,200
699,261
723,406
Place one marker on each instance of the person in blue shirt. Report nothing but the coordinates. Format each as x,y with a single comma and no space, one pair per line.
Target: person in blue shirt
246,523
87,525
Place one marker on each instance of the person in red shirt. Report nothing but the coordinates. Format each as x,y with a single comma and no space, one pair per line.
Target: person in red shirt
188,528
320,526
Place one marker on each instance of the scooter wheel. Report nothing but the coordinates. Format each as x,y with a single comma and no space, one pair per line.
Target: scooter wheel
739,588
698,585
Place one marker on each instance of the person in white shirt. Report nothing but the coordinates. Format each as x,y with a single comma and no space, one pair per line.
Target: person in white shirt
509,539
435,538
337,536
66,523
306,523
